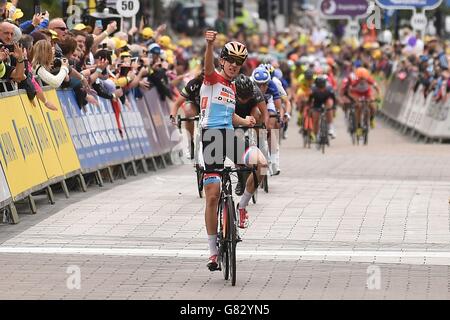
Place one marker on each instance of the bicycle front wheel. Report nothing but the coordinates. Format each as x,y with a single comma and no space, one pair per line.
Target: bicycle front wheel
232,239
266,183
224,257
199,172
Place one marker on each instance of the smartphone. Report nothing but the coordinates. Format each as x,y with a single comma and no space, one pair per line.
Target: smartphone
124,71
99,24
37,9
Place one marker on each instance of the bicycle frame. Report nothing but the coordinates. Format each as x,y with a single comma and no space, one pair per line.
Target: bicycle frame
227,233
365,117
323,129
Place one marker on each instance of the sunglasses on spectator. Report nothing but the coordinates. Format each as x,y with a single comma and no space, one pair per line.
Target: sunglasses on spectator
231,60
62,28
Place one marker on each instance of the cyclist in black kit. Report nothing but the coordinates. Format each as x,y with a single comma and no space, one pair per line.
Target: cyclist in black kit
190,96
250,102
322,95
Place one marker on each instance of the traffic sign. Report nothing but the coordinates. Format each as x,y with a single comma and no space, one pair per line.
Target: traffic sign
409,4
128,8
419,21
352,28
343,9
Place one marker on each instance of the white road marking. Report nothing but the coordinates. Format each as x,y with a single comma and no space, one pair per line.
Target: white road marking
415,257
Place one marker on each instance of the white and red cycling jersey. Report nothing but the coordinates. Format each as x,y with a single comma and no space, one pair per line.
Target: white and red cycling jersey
217,102
362,87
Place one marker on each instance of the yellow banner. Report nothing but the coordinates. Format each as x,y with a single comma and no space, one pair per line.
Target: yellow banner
59,132
19,153
42,137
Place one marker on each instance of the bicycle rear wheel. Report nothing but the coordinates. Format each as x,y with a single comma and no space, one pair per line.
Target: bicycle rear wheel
366,127
352,127
366,136
323,133
255,196
306,138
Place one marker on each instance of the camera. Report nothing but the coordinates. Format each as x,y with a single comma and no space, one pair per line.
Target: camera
10,47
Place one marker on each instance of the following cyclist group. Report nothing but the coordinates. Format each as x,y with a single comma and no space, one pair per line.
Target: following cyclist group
236,91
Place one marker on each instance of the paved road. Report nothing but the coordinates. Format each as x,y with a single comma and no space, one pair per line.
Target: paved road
356,223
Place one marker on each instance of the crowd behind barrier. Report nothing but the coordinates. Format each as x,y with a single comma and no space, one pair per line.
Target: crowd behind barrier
416,109
41,147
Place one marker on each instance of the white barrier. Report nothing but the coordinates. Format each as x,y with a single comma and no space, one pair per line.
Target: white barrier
418,112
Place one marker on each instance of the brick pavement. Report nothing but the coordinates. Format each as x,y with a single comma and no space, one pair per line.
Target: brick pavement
326,219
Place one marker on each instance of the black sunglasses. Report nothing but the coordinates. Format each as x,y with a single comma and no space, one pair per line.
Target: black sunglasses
231,60
62,28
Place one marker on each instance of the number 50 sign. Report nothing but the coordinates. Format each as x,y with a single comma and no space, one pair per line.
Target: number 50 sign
127,8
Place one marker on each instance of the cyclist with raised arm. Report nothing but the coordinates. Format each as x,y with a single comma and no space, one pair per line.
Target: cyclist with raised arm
218,102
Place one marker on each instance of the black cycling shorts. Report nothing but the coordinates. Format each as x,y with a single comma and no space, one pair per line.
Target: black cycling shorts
219,144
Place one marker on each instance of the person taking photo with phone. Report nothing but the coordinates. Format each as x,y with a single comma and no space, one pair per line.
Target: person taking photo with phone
43,58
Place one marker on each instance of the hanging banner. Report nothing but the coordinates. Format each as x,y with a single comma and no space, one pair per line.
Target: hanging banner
42,139
174,133
60,134
115,149
439,112
154,107
81,143
120,145
94,132
424,119
92,160
343,9
144,141
19,153
155,147
131,130
394,100
409,4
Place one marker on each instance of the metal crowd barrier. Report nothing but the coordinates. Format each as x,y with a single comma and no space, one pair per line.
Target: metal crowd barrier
40,148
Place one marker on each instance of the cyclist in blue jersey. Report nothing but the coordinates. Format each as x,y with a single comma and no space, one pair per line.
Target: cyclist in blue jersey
273,99
217,105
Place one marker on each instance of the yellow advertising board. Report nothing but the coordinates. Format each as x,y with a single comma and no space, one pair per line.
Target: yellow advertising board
59,132
42,138
19,153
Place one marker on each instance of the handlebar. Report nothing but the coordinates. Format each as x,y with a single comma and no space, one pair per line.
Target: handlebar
180,120
230,170
368,101
257,126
